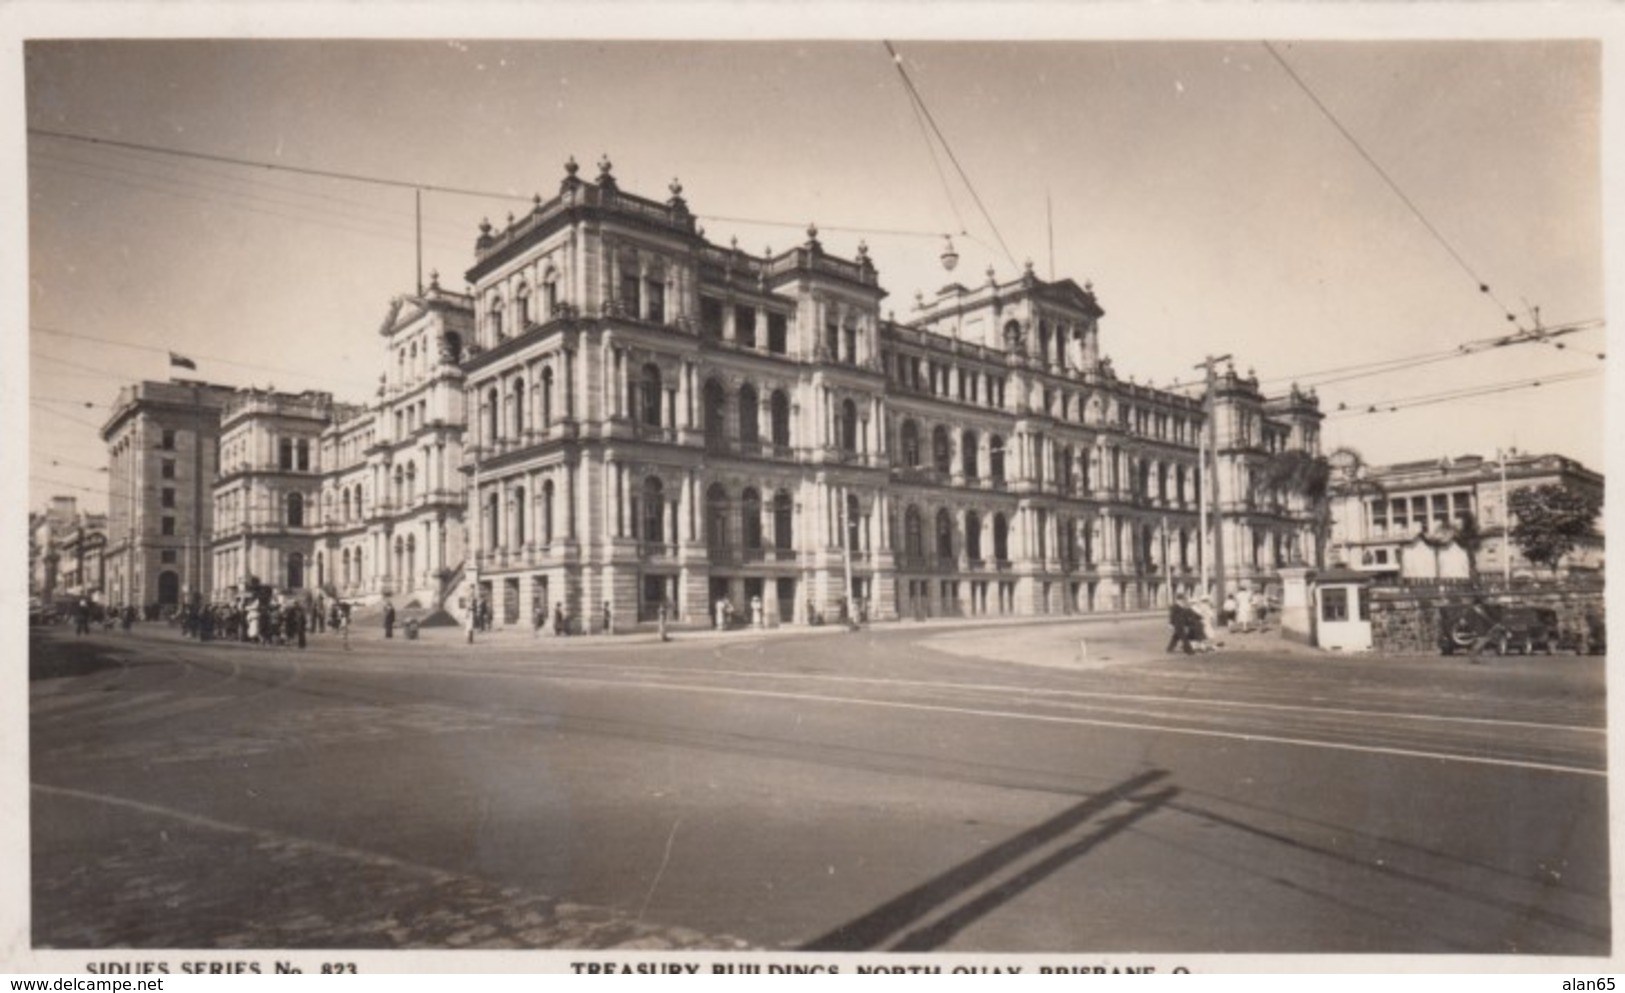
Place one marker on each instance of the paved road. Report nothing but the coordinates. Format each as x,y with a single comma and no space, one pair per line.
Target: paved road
910,788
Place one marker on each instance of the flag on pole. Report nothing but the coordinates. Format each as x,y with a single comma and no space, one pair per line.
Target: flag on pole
182,362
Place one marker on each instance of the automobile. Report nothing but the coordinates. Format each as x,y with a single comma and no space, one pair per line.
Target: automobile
1500,628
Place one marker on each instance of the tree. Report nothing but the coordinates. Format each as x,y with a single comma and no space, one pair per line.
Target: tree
1470,537
1308,476
1552,519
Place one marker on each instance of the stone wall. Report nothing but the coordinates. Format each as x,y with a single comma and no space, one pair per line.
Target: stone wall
1405,619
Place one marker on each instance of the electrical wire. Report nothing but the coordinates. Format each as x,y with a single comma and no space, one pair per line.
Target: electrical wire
277,370
897,60
1464,393
1483,287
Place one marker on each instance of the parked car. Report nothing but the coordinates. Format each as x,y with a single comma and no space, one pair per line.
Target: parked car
1499,628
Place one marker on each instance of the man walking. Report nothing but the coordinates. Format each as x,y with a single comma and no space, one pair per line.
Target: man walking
389,619
1180,617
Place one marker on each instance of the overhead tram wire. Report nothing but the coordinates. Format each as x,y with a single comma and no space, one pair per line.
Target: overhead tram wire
914,93
1483,286
1464,393
511,198
199,188
252,367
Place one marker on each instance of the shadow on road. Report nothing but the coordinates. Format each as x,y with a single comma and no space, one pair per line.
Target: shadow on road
59,658
910,910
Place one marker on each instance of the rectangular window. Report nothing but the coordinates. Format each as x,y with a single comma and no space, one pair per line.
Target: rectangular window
745,326
168,556
166,526
629,291
167,497
285,450
711,317
1334,604
1362,598
168,442
166,468
654,301
778,334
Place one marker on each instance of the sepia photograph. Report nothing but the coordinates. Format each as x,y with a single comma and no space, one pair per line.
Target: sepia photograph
708,500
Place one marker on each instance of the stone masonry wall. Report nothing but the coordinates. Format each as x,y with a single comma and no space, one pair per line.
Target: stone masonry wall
1405,620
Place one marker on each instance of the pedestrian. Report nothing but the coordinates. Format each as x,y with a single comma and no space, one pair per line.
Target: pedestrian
663,635
609,625
1244,609
1203,624
1180,617
1261,609
1227,617
344,624
538,618
297,622
129,617
471,622
389,619
558,619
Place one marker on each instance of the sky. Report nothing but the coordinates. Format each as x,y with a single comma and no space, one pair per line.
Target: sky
1213,206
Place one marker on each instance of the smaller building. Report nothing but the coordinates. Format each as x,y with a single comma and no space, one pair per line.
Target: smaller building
66,548
1416,520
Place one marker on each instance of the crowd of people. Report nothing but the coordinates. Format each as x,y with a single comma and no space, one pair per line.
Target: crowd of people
1194,624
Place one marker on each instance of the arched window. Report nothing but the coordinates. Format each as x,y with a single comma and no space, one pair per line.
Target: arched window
518,408
492,516
493,411
545,405
296,510
518,506
716,517
783,521
411,481
547,512
1001,538
411,559
910,442
550,291
654,507
913,535
973,536
360,572
749,415
995,458
1064,470
941,452
346,503
716,408
781,418
750,519
849,426
345,574
968,454
400,486
945,536
498,332
650,394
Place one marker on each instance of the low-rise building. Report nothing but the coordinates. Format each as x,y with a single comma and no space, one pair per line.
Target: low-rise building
1402,519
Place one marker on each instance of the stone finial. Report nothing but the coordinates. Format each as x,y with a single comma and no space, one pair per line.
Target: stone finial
434,279
863,249
510,218
571,167
733,243
676,187
1027,266
992,277
605,166
812,234
485,225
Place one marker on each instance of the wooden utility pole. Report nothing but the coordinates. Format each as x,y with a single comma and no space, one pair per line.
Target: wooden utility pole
1210,484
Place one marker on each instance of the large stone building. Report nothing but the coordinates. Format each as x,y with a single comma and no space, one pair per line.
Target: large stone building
267,494
657,421
393,495
1399,519
163,450
66,548
360,502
